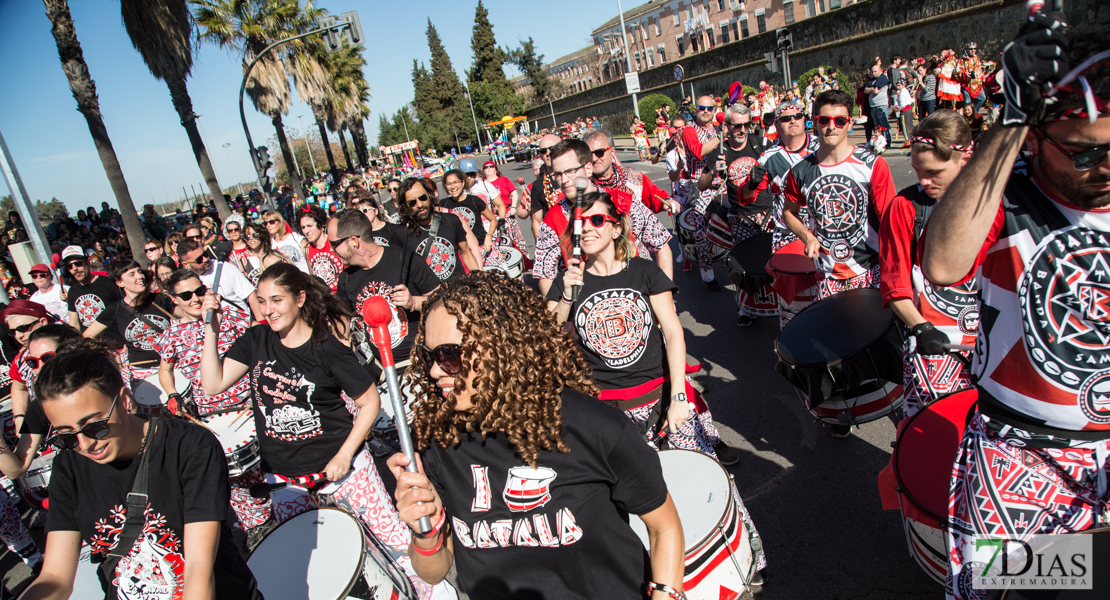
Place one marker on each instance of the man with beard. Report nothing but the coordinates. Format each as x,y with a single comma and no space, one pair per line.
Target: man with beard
700,140
90,293
571,159
380,271
545,192
323,263
437,237
1034,230
234,286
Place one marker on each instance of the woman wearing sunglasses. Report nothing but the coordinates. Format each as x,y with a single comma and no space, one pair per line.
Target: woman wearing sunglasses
484,425
284,240
138,319
185,540
23,318
262,254
233,229
302,420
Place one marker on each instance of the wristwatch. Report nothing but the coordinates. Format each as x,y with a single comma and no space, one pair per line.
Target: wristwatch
679,397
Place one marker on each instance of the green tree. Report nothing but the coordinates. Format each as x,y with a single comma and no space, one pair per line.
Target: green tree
84,92
445,94
47,210
6,206
531,64
162,32
490,89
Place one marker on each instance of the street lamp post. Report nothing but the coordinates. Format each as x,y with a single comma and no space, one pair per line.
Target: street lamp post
238,186
405,122
308,147
472,116
628,56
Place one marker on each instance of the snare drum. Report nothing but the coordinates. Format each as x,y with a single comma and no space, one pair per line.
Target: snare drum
687,229
326,554
7,423
795,279
846,349
507,259
238,439
922,462
151,399
719,558
747,268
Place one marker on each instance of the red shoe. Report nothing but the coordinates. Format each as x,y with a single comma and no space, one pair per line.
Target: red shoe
686,266
906,145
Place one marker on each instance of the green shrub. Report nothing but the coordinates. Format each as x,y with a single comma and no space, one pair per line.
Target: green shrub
649,103
841,77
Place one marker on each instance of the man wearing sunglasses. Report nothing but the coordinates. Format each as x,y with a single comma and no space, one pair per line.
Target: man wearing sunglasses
545,191
90,293
878,91
700,141
234,286
1033,229
444,250
847,190
609,175
793,144
52,296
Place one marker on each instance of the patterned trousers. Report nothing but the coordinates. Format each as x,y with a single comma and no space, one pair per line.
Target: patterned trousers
828,286
926,378
251,511
1016,484
12,532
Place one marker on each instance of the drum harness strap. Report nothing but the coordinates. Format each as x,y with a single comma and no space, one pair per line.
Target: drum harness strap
137,500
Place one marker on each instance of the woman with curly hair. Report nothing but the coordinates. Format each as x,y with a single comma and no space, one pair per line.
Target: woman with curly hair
569,467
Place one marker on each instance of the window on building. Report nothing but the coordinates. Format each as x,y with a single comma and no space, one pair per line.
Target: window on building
675,12
834,4
709,36
788,11
650,57
694,45
658,26
761,20
744,26
636,55
735,30
681,45
720,4
724,31
821,5
662,53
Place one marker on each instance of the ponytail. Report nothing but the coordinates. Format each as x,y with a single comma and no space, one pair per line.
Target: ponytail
323,311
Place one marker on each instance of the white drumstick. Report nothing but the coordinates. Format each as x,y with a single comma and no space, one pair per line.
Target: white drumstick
961,347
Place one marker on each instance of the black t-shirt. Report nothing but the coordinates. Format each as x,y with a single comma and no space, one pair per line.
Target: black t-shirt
470,212
573,542
392,235
539,202
300,418
35,421
88,301
135,326
738,170
188,484
443,256
616,326
356,286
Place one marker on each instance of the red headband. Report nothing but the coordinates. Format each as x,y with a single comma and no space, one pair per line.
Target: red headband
928,140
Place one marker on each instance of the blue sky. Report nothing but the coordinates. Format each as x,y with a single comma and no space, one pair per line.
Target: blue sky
50,140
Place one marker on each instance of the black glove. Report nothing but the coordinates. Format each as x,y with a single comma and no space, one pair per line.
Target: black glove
1036,59
756,177
930,340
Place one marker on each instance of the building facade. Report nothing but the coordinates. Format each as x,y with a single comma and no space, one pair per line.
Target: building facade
575,72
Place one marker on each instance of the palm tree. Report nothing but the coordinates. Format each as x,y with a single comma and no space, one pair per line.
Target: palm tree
84,92
347,92
162,30
247,27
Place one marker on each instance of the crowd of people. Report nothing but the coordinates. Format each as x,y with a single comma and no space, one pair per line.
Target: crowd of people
563,395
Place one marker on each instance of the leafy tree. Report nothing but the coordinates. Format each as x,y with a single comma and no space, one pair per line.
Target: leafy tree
47,210
6,206
445,94
648,105
531,64
490,89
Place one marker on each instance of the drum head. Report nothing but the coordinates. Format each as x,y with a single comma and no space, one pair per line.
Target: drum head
235,435
315,555
148,392
86,583
926,448
835,329
685,220
792,260
701,491
752,254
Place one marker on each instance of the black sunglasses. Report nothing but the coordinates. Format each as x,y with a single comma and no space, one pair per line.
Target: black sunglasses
824,121
34,362
1084,160
339,242
420,198
193,237
251,236
25,327
449,357
600,152
94,430
203,258
70,265
270,221
793,117
151,249
188,295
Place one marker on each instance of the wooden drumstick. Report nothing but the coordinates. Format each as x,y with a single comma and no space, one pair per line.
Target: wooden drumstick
190,417
239,416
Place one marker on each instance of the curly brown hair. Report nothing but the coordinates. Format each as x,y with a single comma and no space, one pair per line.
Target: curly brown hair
500,317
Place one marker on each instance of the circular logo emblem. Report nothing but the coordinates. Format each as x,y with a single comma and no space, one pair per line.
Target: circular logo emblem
88,308
1065,304
959,303
740,169
615,325
968,320
323,265
1094,397
441,257
841,251
465,214
143,336
840,206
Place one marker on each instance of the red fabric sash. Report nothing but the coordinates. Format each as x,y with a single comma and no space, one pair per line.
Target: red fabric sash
557,219
628,393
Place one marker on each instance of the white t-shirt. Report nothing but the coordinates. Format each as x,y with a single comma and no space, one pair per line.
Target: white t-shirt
53,302
484,190
234,286
291,248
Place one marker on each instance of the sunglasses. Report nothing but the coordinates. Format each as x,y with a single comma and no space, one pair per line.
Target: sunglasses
270,221
151,249
824,121
233,230
394,189
706,108
449,357
36,362
790,118
70,265
600,152
94,430
599,219
544,150
337,243
741,126
26,327
193,237
40,276
251,236
1084,160
188,295
420,198
203,258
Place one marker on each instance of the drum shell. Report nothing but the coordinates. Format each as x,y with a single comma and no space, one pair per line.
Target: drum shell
240,450
747,264
38,474
873,400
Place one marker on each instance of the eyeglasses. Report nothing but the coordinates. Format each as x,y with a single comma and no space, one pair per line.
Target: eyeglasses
94,430
337,243
71,264
152,249
449,357
393,189
40,275
200,260
26,326
233,230
599,219
251,236
188,295
743,126
824,121
193,237
568,172
420,198
789,118
600,152
1084,160
270,221
544,150
36,361
706,108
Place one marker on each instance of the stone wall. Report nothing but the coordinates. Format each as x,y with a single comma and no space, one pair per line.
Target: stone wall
847,38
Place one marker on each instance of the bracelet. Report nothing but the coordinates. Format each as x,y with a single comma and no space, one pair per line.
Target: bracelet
435,528
670,591
567,300
435,550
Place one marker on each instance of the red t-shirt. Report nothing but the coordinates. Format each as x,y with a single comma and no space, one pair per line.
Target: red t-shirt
325,264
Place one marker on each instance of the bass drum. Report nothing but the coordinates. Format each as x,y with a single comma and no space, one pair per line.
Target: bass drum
747,268
150,398
687,230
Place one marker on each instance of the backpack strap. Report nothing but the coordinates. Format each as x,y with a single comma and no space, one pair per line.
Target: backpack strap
433,231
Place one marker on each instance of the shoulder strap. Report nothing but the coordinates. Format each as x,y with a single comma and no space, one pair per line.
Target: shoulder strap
137,500
433,231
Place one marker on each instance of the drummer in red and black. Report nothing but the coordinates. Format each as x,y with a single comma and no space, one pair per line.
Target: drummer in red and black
699,141
793,144
1034,229
847,190
935,316
322,260
447,252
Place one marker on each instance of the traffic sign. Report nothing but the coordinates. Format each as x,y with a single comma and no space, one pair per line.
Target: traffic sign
632,82
679,73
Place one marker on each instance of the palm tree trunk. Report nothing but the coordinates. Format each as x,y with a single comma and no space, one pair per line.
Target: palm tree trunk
84,92
327,147
346,154
179,93
359,135
287,155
